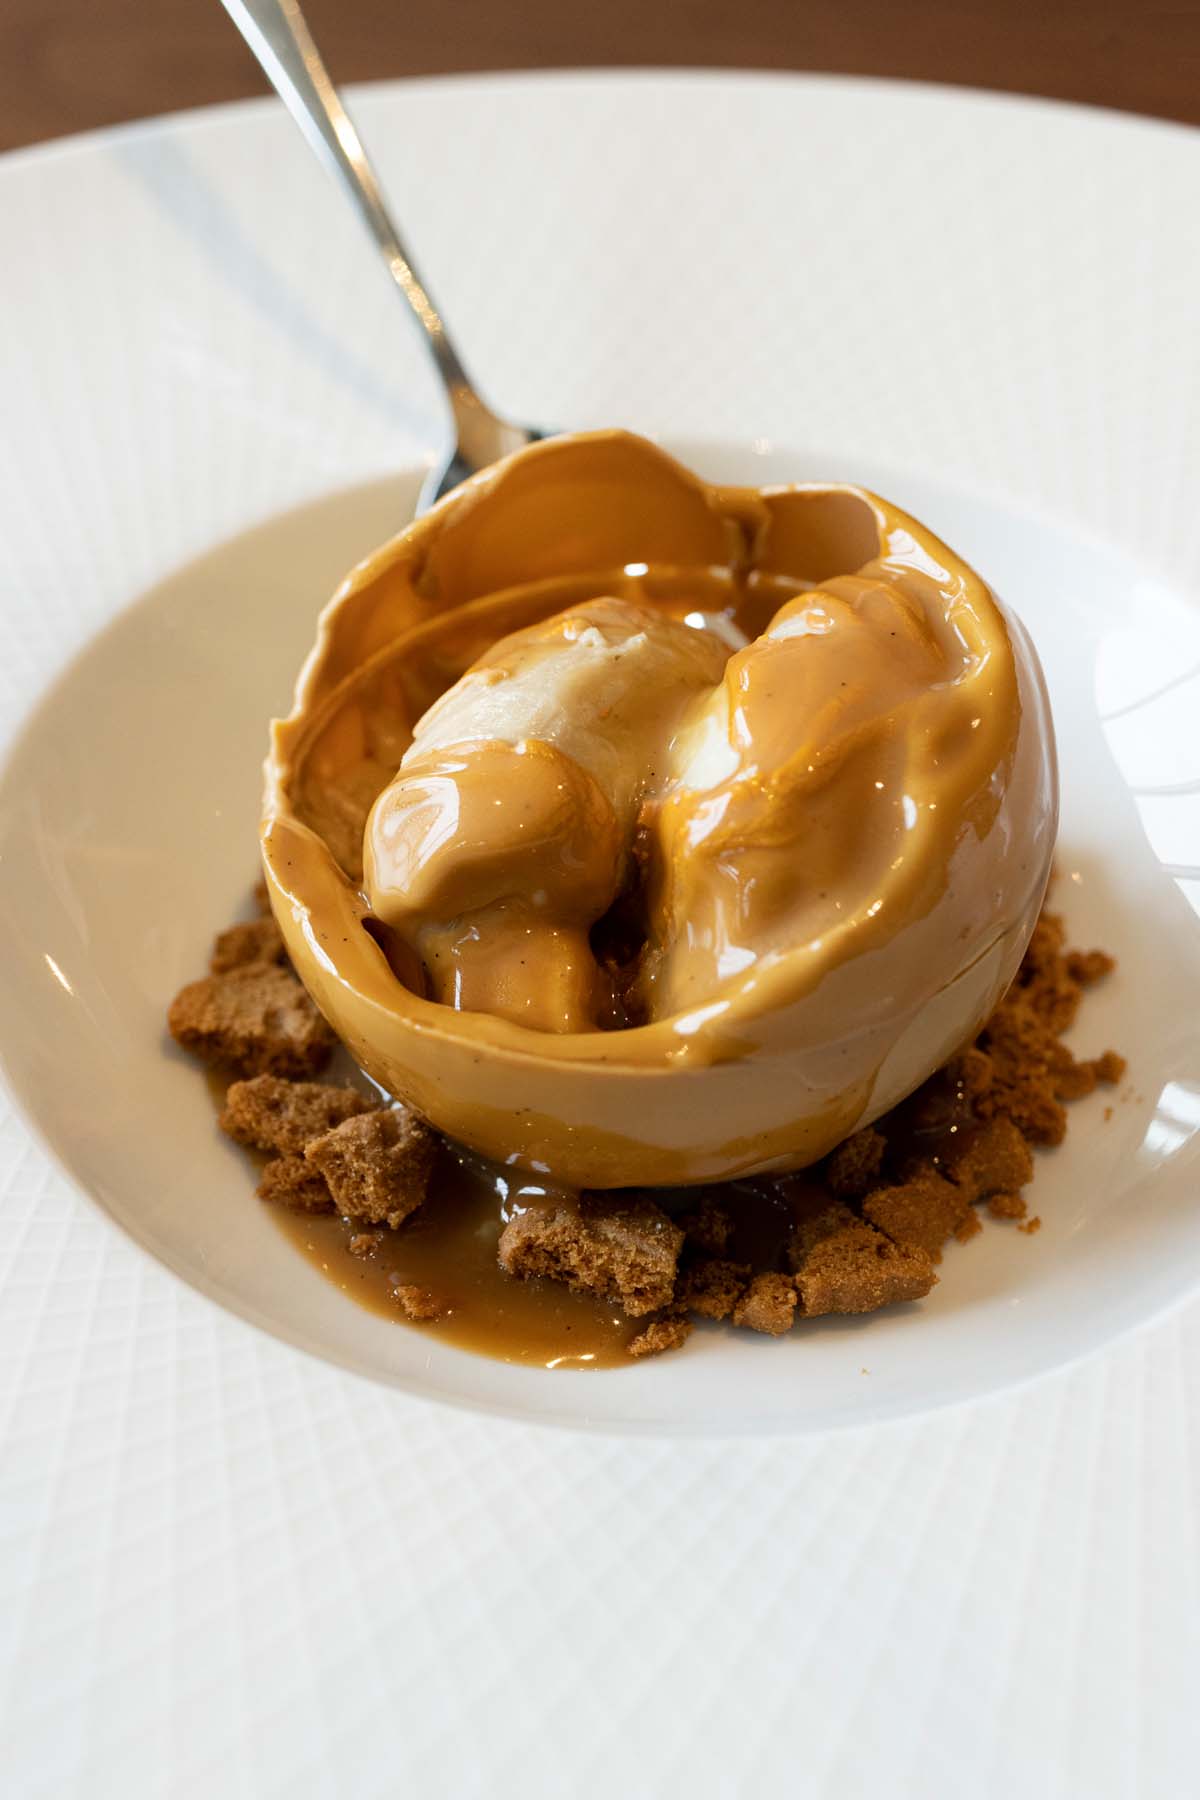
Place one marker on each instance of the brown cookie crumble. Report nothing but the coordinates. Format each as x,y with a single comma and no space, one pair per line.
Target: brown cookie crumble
269,1113
290,1181
843,1265
260,941
861,1231
377,1164
623,1251
712,1287
768,1304
668,1332
417,1303
255,1019
920,1212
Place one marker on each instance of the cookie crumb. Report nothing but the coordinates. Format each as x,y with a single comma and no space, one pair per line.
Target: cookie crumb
666,1333
1087,966
993,1158
712,1287
1033,1073
768,1305
842,1265
289,1181
972,1071
240,946
624,1251
255,1020
1074,1081
364,1242
1031,1226
923,1210
377,1164
417,1303
268,1113
1007,1206
854,1167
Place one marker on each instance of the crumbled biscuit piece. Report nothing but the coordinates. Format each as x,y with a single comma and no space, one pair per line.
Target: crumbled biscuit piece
256,1020
968,1228
627,1252
972,1071
712,1287
1007,1206
363,1242
817,1222
377,1164
268,1113
706,1227
1041,1119
1075,1081
290,1181
1031,1226
853,1169
993,1158
417,1302
667,1332
923,1210
257,942
842,1265
1026,1058
1087,966
1033,1072
1045,946
1043,981
768,1305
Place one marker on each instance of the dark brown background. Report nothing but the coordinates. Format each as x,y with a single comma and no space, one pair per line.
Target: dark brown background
66,65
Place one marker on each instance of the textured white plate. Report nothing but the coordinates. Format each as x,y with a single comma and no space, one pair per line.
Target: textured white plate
225,1557
127,828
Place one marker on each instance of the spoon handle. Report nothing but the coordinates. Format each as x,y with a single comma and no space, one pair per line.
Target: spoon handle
278,35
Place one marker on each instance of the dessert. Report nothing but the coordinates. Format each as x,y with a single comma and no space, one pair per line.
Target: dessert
663,857
771,863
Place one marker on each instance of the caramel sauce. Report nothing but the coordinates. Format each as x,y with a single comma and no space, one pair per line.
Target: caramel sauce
449,1247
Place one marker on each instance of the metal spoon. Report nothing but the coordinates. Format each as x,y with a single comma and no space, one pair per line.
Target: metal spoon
278,35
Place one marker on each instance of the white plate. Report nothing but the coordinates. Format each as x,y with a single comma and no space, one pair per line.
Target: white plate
127,825
984,308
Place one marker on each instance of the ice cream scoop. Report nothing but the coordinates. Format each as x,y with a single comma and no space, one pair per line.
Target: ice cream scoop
788,740
509,829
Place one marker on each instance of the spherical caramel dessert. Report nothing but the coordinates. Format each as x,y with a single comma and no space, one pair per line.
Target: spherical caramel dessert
643,832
